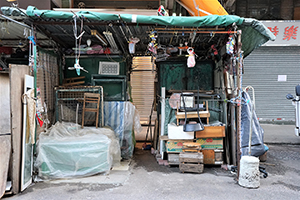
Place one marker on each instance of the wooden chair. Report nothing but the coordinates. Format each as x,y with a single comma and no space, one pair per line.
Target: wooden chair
91,98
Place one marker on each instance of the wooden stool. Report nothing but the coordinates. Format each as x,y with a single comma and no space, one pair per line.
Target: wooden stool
92,98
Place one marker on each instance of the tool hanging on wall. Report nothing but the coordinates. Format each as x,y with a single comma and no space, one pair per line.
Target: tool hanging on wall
78,38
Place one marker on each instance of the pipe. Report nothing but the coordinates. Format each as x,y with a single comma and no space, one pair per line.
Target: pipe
10,19
162,125
252,107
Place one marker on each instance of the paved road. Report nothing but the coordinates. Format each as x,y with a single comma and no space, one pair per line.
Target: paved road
148,180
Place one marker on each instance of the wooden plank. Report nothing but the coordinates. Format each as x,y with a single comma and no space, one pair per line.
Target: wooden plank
74,83
211,132
155,134
187,167
203,114
5,147
191,157
17,73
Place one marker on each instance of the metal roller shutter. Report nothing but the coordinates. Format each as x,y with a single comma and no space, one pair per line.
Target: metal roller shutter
261,70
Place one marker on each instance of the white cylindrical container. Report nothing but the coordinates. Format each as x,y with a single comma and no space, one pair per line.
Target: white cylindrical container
249,172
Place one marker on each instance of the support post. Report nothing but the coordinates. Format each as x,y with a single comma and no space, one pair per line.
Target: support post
162,120
239,93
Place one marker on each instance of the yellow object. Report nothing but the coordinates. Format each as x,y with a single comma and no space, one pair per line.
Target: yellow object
204,7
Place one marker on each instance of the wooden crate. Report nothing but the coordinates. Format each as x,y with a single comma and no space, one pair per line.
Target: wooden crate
211,132
188,167
185,157
173,158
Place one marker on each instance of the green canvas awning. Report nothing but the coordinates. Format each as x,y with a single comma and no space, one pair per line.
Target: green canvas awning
254,33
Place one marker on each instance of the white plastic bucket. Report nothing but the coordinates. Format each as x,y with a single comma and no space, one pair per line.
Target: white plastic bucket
249,176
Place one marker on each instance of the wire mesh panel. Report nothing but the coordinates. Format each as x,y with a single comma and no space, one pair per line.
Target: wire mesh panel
69,104
47,78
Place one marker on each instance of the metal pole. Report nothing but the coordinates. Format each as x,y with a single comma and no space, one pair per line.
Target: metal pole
239,108
10,19
162,122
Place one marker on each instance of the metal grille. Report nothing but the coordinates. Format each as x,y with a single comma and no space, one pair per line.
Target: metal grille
47,78
262,68
69,104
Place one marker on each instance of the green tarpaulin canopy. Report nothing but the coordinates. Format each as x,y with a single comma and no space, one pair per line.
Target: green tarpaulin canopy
254,33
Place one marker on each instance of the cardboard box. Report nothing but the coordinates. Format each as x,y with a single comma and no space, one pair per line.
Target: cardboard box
211,132
210,143
175,146
177,133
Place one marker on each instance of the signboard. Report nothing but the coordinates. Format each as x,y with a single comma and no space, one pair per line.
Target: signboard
287,33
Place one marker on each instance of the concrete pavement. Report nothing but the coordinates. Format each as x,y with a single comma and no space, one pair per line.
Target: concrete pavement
145,179
279,134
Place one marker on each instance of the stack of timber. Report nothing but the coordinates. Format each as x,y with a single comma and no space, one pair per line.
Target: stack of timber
191,158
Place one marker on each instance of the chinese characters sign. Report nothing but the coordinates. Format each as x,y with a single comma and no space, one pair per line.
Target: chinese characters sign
286,32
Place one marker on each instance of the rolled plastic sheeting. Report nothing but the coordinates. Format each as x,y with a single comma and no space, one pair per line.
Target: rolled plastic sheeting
66,150
249,172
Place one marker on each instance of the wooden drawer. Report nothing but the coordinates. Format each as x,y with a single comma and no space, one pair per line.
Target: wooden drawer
211,132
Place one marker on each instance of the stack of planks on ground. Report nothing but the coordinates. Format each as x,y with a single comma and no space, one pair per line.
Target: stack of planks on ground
191,158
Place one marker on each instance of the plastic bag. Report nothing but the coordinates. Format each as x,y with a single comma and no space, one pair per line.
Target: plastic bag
191,58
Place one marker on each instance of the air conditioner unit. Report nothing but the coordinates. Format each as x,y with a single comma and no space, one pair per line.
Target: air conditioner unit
109,68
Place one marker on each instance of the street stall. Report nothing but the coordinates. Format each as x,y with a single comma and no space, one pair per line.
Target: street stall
198,88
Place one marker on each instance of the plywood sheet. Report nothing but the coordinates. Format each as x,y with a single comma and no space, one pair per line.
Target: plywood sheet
17,73
5,145
4,103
